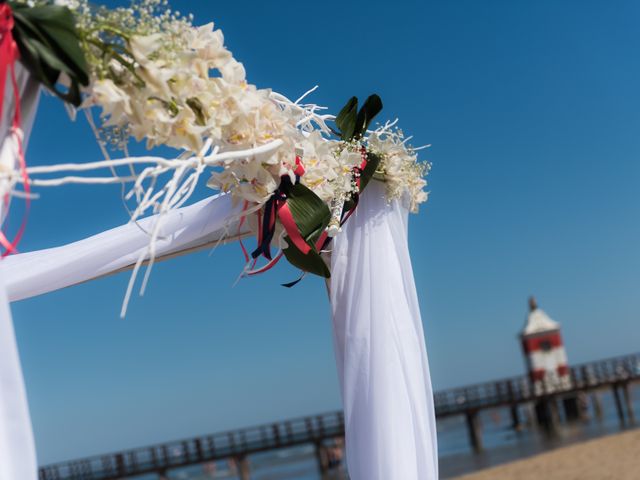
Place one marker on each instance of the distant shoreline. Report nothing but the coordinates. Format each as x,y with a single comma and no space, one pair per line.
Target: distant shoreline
614,456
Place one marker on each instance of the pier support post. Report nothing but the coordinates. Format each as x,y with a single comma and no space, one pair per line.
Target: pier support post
626,391
547,414
597,405
321,458
583,406
242,462
475,430
571,408
516,424
555,414
618,401
529,414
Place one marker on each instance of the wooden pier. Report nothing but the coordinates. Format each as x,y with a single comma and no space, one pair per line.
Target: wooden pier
235,445
616,374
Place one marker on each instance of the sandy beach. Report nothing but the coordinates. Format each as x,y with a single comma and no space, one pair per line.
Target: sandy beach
616,457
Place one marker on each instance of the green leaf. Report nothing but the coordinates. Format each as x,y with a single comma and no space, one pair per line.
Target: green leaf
312,262
348,204
372,107
312,216
346,119
39,62
373,161
308,210
57,23
49,45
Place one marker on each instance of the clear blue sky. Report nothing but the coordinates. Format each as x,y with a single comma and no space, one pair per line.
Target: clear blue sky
533,111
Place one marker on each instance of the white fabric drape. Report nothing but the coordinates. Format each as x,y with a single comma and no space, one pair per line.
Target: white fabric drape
34,273
17,449
380,349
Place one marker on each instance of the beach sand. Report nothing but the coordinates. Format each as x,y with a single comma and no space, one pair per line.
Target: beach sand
615,457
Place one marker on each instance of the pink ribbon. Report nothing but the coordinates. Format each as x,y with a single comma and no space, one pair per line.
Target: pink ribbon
8,56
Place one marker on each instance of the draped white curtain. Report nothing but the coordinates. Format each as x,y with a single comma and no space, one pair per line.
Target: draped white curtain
203,223
17,449
380,349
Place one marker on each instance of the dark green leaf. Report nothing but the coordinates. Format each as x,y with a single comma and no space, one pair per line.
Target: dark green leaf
373,161
346,119
312,216
372,106
49,45
57,23
308,210
312,262
348,205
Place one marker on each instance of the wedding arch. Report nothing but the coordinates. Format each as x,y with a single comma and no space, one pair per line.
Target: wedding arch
330,194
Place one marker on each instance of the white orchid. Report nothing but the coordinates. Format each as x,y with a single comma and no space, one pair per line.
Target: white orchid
142,47
233,71
178,85
209,45
116,103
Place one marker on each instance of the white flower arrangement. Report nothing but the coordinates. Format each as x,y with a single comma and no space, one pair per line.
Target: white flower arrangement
399,167
159,78
170,83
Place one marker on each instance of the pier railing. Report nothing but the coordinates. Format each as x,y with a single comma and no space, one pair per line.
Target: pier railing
232,444
587,376
238,444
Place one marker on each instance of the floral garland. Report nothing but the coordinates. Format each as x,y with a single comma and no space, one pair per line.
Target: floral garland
159,78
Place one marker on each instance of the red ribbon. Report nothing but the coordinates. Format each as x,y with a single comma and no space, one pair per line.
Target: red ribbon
289,224
299,170
268,266
275,208
286,217
8,56
8,47
280,209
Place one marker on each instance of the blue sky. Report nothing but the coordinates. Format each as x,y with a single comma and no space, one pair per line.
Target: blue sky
533,111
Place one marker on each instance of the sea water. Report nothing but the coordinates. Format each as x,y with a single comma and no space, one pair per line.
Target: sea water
501,444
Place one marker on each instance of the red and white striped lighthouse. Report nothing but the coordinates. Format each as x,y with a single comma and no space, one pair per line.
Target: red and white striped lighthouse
544,352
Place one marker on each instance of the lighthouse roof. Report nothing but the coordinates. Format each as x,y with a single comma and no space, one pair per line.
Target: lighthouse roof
538,321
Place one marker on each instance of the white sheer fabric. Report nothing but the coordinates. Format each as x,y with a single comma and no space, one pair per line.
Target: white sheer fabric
34,273
17,449
380,349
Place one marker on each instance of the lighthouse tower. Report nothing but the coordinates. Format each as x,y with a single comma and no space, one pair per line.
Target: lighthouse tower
544,352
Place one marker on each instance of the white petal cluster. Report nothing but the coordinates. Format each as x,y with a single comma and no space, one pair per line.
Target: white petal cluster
160,79
172,84
328,166
169,98
403,174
